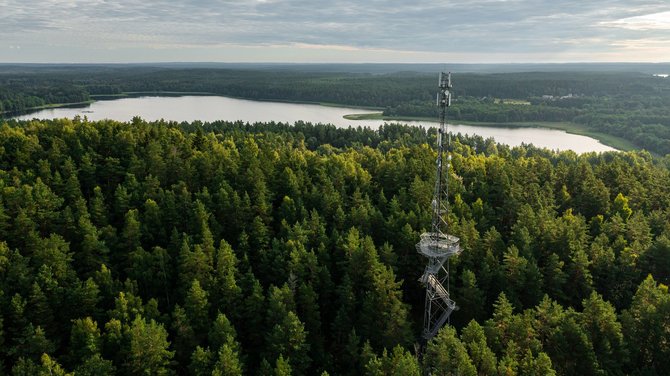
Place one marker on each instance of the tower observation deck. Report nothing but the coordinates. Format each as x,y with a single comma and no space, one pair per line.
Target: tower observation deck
437,245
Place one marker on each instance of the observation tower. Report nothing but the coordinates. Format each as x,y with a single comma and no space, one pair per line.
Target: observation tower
437,245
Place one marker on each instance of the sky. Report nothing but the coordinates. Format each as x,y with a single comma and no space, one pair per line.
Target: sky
333,31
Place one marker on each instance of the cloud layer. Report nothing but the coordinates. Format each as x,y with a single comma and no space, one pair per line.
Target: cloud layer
316,30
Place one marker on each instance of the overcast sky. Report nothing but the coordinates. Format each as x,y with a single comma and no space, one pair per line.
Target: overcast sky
458,31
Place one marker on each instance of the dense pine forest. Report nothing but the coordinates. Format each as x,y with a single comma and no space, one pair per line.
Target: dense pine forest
627,102
273,249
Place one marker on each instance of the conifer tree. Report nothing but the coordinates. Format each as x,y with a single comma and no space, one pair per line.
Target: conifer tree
446,355
148,348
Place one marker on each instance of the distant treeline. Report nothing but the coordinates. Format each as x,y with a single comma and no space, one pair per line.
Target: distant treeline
633,106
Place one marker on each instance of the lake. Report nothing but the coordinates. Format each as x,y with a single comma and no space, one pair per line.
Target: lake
211,108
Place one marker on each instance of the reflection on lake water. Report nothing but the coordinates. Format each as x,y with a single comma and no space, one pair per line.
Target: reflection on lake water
212,108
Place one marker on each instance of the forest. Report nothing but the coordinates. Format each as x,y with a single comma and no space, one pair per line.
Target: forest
618,100
159,248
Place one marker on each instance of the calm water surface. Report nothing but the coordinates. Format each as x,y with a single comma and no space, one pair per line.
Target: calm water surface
211,108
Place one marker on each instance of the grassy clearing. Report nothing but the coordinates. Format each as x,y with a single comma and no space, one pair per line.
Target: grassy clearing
511,101
371,116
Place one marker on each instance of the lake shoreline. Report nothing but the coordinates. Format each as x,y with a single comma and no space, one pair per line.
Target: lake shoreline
338,114
136,94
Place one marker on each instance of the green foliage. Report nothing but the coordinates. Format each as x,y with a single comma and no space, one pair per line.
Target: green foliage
197,307
482,357
167,248
94,366
599,321
50,367
283,367
645,326
201,362
446,355
288,337
399,362
621,207
228,363
223,333
85,339
148,348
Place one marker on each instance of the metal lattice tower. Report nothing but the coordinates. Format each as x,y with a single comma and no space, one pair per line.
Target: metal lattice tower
437,245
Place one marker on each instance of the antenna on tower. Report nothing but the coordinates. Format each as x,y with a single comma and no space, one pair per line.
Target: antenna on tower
437,245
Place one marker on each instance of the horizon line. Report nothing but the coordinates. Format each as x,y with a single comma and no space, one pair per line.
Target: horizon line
333,63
